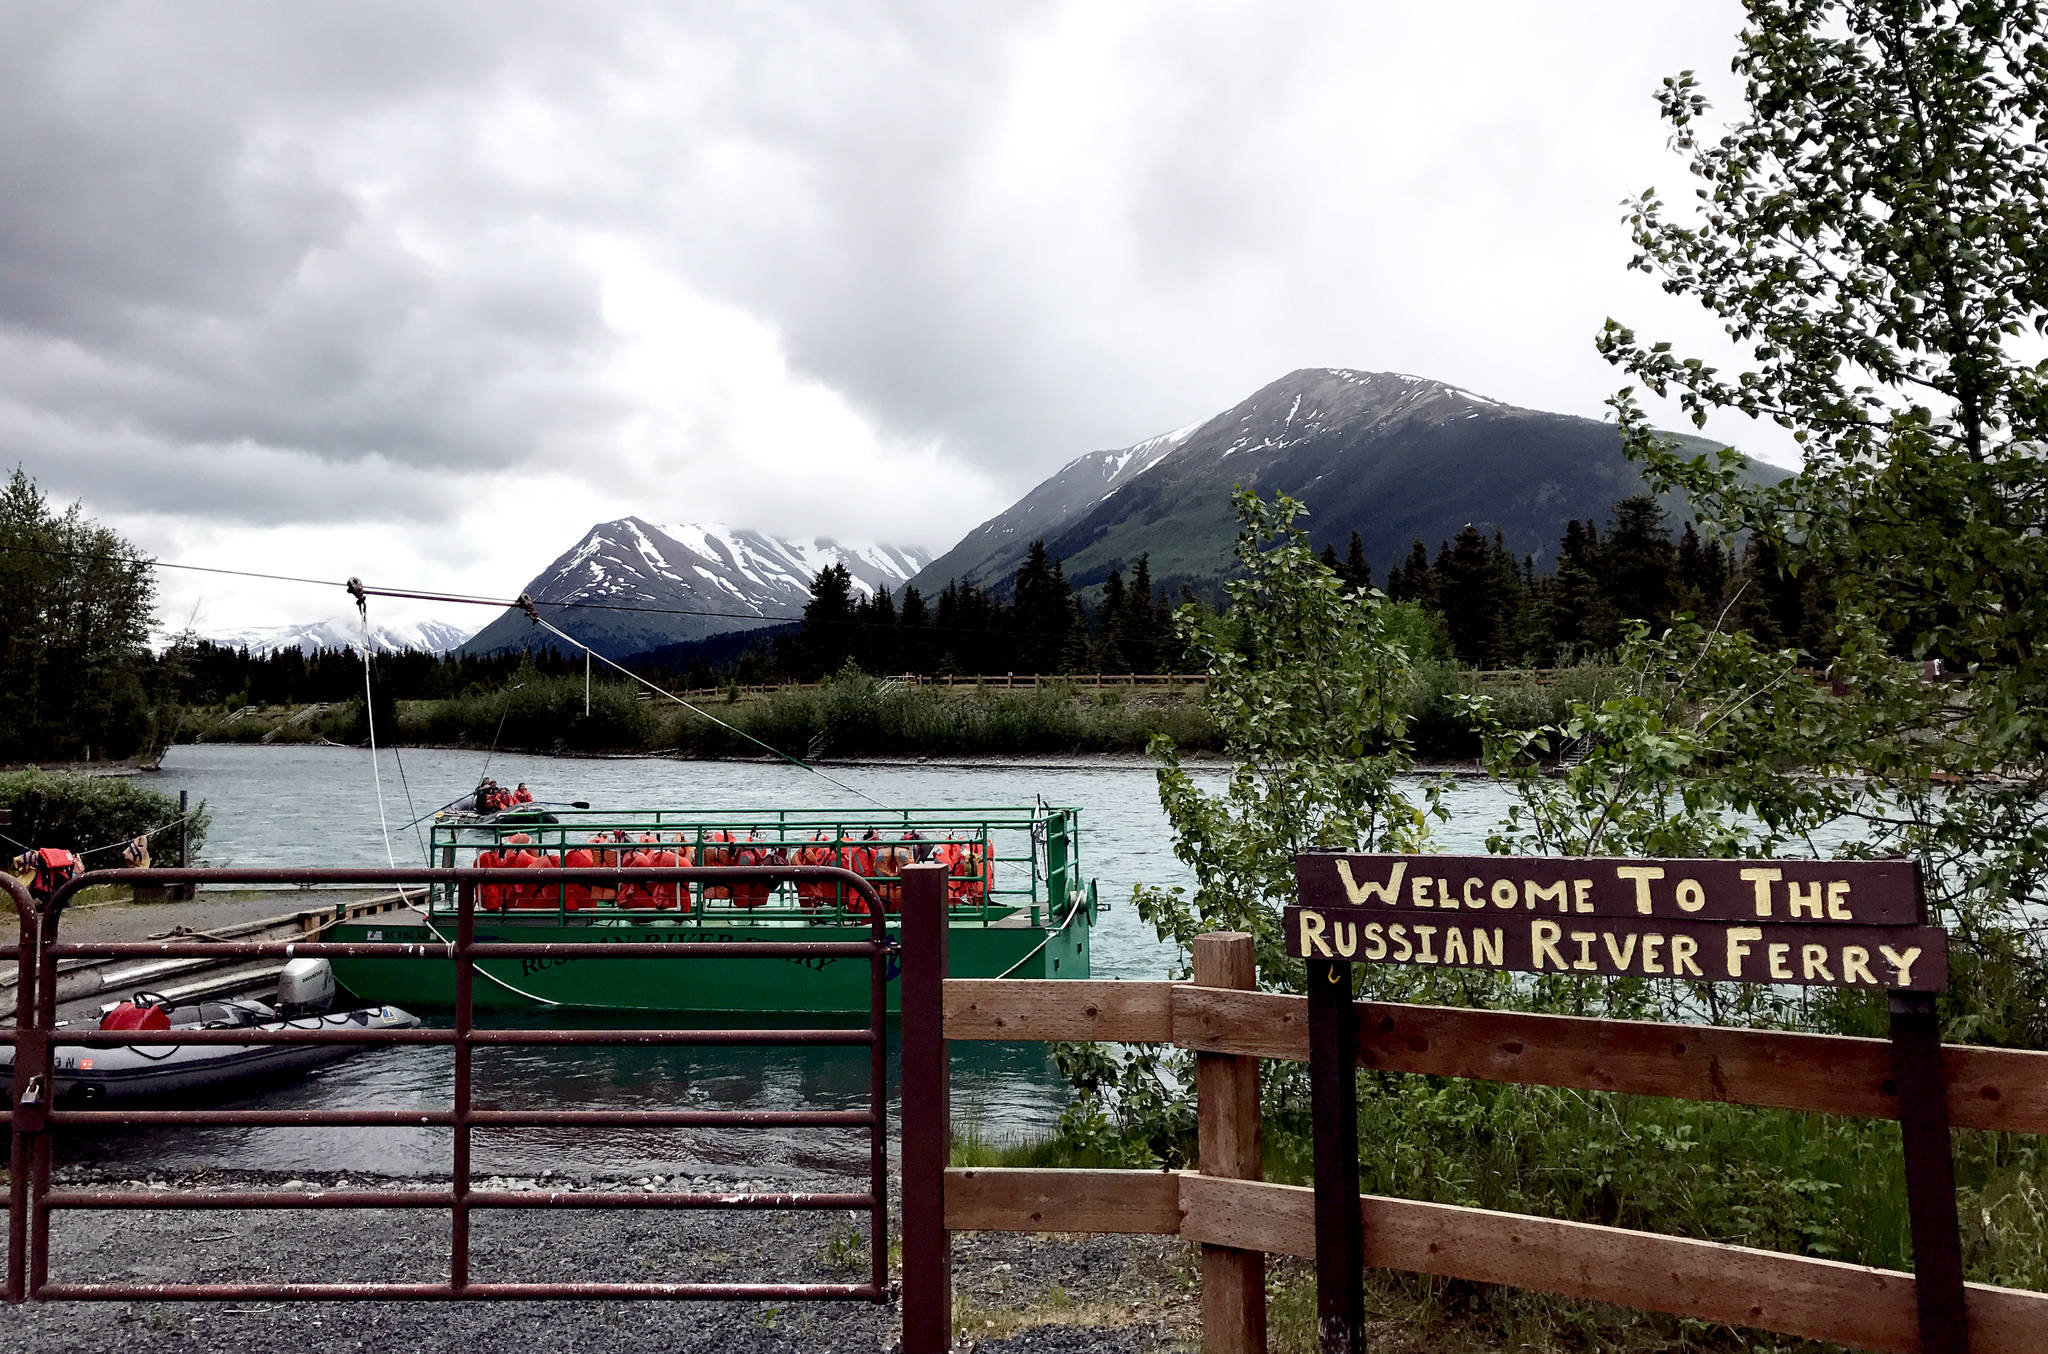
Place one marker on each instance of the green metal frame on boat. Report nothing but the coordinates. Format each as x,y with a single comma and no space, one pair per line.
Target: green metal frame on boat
1030,915
1033,854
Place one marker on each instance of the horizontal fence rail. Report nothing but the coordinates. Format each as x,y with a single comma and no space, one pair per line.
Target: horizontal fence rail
1993,1088
1235,1220
33,1113
1709,1281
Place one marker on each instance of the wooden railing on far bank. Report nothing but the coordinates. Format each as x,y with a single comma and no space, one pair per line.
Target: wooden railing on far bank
1239,1219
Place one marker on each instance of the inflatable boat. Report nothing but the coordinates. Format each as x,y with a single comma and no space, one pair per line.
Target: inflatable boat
117,1071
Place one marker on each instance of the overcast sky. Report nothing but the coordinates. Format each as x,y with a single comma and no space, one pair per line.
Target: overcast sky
419,291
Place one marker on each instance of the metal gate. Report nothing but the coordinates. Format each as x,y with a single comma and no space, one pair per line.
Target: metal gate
35,1119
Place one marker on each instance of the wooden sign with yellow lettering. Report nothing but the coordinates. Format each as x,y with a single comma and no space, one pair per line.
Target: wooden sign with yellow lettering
1813,923
1823,892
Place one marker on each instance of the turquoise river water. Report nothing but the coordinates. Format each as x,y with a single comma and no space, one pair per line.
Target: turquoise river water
318,806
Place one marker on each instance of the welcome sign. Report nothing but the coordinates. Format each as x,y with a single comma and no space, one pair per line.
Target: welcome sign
1811,923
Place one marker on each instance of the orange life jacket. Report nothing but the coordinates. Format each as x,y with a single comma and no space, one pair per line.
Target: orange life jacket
888,867
542,895
490,897
949,854
716,855
581,896
515,856
859,857
634,893
977,872
671,897
816,893
753,893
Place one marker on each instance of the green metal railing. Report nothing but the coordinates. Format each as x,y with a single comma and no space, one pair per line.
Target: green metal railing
1017,861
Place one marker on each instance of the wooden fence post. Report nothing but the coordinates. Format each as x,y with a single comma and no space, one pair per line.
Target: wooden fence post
1930,1173
1333,1106
927,1116
1227,1115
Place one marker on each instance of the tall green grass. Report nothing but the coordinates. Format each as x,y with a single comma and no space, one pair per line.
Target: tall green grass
859,716
537,714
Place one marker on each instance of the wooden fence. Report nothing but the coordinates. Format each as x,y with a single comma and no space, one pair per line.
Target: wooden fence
1239,1219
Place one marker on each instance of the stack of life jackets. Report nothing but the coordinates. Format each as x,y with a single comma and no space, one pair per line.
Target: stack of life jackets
888,871
533,897
717,852
753,893
858,857
816,893
653,855
967,870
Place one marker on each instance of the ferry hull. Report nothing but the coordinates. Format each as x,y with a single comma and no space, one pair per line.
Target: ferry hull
710,986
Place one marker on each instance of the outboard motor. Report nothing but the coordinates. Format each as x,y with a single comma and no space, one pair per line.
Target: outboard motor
306,987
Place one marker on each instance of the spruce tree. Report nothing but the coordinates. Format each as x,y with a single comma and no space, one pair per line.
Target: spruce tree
829,620
1149,621
1357,573
1466,594
1638,561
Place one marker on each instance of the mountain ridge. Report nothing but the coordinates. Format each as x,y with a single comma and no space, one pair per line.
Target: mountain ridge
1392,456
630,584
344,632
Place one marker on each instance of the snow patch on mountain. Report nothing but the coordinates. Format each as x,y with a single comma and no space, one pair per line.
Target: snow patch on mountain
346,632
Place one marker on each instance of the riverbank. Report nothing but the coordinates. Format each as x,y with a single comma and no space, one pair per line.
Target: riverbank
857,717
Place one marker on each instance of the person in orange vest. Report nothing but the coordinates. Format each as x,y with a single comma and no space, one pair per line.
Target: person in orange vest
522,795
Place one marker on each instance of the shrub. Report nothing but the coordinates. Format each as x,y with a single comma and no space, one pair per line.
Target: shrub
95,814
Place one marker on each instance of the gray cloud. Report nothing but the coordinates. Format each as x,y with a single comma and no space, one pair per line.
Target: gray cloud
360,262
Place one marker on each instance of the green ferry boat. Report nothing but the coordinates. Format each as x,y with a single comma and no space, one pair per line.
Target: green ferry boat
1019,907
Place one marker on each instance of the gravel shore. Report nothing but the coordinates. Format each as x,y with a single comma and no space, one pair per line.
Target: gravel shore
1045,1294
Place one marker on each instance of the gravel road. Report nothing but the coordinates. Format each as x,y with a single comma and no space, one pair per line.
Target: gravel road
1107,1295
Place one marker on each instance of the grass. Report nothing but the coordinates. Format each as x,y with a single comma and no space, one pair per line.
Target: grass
973,1320
971,1147
859,716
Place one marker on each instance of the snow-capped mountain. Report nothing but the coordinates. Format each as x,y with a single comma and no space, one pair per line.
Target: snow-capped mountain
345,632
631,585
1396,458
